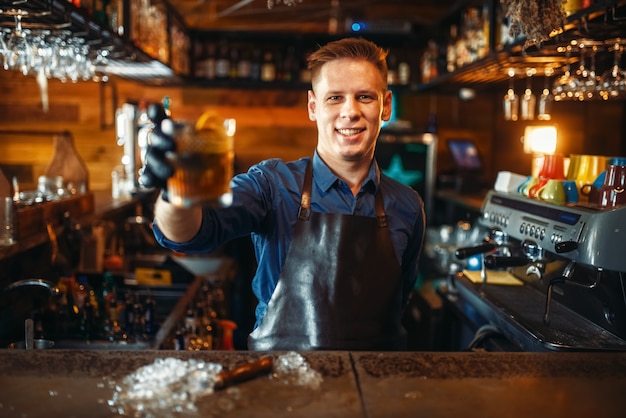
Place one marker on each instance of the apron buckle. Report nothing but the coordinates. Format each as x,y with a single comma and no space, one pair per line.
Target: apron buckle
304,213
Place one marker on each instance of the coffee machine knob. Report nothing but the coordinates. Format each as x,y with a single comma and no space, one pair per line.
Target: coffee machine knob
499,236
532,250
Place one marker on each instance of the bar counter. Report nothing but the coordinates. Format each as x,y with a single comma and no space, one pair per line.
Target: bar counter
38,383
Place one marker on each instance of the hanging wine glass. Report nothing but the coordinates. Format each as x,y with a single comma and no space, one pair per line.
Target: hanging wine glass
529,100
544,107
74,58
565,86
511,100
613,81
586,79
581,72
590,83
19,47
100,63
40,51
4,51
63,51
56,42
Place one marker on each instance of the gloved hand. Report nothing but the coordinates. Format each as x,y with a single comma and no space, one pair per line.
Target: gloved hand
157,169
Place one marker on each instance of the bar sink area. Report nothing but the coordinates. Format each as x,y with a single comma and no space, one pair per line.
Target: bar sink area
144,298
151,317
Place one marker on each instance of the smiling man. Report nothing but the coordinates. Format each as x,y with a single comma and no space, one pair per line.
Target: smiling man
337,242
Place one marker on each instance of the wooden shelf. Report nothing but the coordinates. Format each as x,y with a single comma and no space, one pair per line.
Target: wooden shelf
36,224
32,222
596,22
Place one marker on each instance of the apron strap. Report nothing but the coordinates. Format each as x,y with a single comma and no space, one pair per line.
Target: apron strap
304,212
380,208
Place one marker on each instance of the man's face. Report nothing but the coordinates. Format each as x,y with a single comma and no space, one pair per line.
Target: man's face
348,102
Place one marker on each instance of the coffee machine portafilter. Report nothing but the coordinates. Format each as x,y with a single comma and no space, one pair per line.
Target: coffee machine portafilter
501,252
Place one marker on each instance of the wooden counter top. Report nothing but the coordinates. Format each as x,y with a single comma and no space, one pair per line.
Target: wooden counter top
408,384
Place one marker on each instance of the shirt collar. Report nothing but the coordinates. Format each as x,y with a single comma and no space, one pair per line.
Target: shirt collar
325,178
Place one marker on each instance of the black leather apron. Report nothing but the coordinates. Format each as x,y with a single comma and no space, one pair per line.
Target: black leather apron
340,287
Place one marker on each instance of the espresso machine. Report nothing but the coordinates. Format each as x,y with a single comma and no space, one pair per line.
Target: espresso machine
565,271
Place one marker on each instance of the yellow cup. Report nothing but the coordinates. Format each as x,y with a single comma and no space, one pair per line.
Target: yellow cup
552,192
574,167
589,168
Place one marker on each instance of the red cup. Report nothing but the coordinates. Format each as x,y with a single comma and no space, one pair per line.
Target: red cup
553,167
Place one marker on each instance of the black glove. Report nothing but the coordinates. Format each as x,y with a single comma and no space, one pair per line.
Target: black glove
157,169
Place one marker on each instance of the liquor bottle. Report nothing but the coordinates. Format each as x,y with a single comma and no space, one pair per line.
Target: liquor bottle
429,62
244,65
191,324
179,340
572,6
451,49
149,315
86,5
100,13
129,314
305,73
268,68
290,66
206,66
222,62
255,65
472,30
138,318
233,66
485,30
404,72
116,16
392,70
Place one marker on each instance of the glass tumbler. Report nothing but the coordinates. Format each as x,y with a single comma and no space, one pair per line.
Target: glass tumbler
203,163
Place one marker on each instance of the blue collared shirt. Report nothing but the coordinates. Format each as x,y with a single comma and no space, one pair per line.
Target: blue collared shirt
265,205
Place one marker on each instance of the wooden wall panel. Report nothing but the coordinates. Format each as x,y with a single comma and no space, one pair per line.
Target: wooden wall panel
269,123
273,123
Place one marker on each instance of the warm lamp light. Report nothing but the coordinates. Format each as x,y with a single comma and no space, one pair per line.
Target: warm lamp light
540,139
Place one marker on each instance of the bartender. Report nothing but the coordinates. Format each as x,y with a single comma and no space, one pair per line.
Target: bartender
337,242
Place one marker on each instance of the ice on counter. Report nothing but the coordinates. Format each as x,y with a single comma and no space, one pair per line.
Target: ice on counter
170,387
167,386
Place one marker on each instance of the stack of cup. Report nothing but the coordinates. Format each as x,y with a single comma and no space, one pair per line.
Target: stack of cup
607,191
585,170
549,184
589,179
546,185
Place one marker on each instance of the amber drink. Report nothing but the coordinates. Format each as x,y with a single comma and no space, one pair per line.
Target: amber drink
203,163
